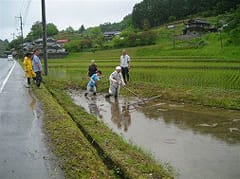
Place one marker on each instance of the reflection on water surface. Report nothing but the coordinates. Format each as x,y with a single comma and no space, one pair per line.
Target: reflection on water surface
198,142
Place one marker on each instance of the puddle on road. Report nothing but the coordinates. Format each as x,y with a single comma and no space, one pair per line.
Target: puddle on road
37,146
33,101
198,142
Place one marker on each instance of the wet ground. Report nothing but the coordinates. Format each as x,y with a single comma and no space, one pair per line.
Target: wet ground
199,142
23,150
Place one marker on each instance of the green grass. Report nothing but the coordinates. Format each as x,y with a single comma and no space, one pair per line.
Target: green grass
173,70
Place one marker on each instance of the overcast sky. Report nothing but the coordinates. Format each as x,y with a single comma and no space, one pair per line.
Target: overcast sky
63,13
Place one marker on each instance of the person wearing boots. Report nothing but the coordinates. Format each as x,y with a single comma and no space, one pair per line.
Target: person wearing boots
116,80
125,65
93,82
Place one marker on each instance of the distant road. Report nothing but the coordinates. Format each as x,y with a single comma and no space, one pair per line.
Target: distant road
23,153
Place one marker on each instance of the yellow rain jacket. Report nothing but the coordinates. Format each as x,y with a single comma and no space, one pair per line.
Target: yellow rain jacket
28,67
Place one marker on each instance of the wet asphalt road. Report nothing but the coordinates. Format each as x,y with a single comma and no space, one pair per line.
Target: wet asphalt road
23,152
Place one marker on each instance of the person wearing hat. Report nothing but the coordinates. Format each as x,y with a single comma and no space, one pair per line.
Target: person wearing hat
92,68
92,83
116,80
27,61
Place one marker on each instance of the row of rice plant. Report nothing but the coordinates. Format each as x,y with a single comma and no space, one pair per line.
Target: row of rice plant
169,77
203,78
153,64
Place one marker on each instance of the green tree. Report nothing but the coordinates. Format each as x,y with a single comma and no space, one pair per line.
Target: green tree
51,29
3,45
81,30
171,18
233,27
85,43
69,30
16,44
72,46
36,31
147,37
146,24
93,32
158,12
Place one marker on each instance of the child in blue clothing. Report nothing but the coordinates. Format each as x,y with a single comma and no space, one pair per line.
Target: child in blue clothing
92,83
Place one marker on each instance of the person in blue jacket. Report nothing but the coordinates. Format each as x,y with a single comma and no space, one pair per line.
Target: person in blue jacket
92,83
37,67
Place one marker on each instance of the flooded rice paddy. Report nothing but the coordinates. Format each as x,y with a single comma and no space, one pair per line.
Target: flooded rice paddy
198,142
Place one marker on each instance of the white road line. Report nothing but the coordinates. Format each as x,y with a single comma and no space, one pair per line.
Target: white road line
7,77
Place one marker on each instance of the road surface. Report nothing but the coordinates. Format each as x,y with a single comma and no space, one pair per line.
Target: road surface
23,152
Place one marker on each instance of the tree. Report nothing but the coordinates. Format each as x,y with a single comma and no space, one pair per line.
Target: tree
171,18
3,45
233,27
157,12
51,29
85,43
81,30
146,24
36,31
72,46
94,32
16,43
69,30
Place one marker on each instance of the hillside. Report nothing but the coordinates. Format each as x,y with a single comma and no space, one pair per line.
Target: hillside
3,46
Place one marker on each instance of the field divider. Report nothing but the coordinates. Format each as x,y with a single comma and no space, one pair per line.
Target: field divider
110,164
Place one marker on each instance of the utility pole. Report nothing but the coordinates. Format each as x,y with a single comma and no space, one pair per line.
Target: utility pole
21,28
13,35
44,38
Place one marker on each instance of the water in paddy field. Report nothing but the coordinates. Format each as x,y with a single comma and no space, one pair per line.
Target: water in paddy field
199,142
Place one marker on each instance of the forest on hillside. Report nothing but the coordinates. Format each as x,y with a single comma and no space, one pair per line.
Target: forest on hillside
152,13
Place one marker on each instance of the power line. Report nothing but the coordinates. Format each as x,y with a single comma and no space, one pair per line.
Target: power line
21,28
26,11
13,35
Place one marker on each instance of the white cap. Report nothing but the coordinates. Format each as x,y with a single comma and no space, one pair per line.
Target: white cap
118,68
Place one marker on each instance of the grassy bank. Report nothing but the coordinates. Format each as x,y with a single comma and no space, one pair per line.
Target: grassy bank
85,147
77,158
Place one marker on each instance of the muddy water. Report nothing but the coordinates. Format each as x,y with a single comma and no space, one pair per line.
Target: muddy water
198,142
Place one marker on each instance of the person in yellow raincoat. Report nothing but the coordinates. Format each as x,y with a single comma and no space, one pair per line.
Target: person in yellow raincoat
28,68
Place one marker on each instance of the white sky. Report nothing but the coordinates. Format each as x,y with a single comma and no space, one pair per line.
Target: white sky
63,13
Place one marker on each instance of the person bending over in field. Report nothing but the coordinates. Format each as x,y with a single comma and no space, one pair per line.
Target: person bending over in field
92,83
116,80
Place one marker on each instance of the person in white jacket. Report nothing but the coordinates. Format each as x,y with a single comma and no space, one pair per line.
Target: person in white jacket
116,81
125,64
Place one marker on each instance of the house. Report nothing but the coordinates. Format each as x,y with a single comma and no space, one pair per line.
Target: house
111,34
27,46
198,27
54,49
61,42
